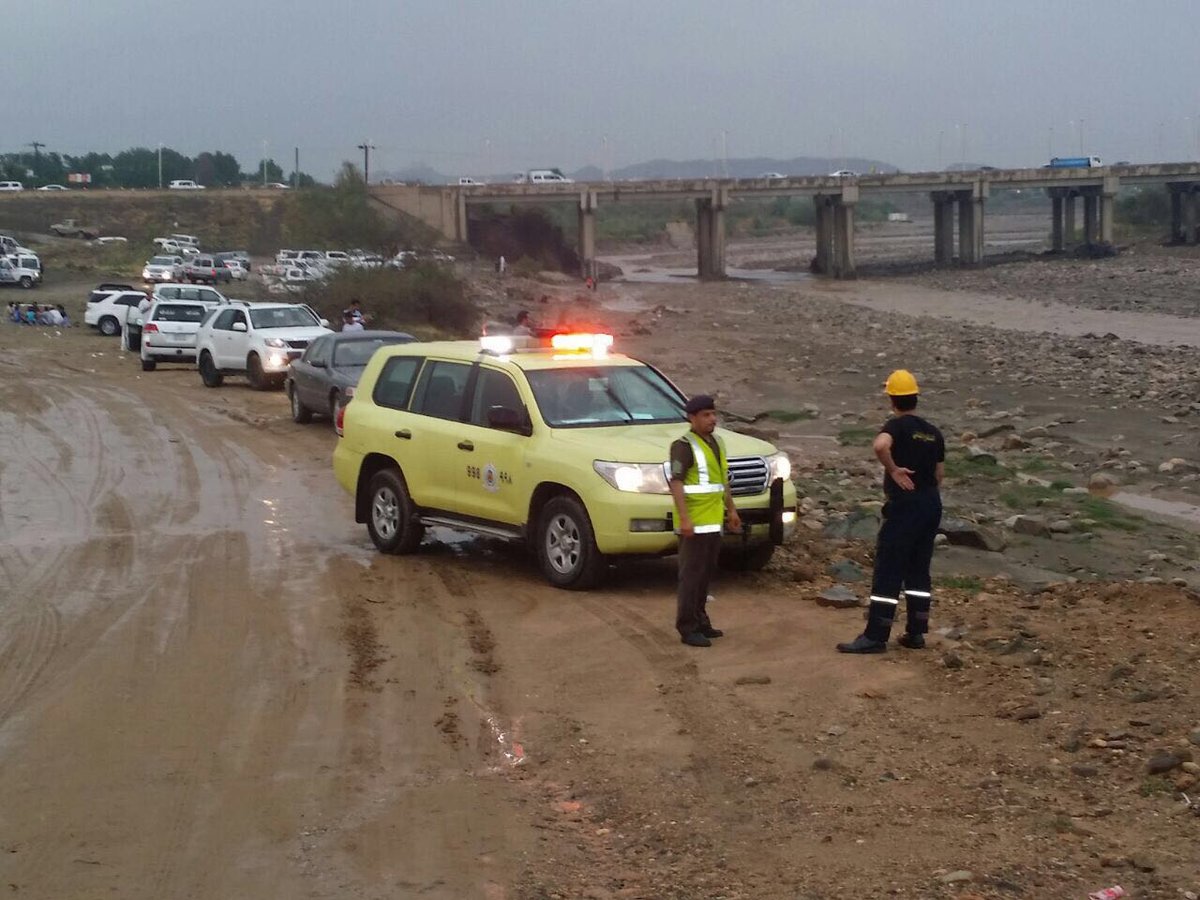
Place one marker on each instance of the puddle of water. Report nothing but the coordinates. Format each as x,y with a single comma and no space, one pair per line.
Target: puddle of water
1173,509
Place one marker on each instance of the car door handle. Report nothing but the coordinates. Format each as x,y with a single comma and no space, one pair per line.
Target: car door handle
404,434
465,445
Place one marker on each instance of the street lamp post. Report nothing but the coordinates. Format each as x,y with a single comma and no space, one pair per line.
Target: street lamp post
264,162
160,165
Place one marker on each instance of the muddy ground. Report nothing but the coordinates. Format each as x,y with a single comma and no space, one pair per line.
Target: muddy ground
211,685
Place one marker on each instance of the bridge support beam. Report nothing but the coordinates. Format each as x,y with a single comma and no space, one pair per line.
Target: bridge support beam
1056,223
1190,200
587,234
1069,218
843,226
970,227
943,227
1090,217
823,261
710,234
1108,200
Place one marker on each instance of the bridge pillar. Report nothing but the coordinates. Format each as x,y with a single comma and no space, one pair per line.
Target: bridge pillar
970,227
1069,218
943,227
460,217
1056,224
1190,199
1108,199
1090,218
587,234
843,227
823,261
710,235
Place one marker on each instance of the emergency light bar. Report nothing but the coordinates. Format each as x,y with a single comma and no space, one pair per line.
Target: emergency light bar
566,343
596,344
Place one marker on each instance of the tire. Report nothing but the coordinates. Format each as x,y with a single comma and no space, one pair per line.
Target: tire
26,282
259,380
750,559
301,414
566,545
390,516
109,327
149,365
209,373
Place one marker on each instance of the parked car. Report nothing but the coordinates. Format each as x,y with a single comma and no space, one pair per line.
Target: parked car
772,176
279,186
108,310
111,239
72,228
163,269
27,268
237,269
256,340
843,173
192,292
324,378
202,269
169,331
53,187
11,186
187,239
240,255
184,184
468,181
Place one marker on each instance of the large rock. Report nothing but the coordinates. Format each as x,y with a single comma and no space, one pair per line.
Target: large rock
838,597
1033,525
962,533
1102,483
847,570
861,524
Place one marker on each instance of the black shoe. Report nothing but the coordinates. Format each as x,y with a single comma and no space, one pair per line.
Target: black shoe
696,639
711,632
911,641
863,644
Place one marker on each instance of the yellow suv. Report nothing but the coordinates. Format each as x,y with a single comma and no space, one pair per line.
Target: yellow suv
563,447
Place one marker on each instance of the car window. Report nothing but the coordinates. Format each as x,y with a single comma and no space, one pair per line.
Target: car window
494,388
130,299
238,316
177,312
604,395
283,317
440,390
396,381
318,352
208,296
224,320
357,353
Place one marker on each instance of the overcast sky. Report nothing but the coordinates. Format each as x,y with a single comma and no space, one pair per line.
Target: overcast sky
487,87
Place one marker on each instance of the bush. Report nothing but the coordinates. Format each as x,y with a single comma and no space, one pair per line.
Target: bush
425,299
1144,207
342,216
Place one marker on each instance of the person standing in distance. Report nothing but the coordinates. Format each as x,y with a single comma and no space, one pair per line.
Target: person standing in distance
703,503
913,455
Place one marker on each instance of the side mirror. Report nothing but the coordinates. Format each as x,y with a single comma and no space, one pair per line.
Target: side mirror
318,364
239,326
324,323
505,418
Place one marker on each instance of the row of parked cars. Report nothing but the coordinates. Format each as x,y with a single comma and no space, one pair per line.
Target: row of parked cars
19,265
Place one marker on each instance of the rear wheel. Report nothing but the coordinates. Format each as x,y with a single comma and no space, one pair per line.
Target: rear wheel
566,545
109,327
209,374
149,365
390,516
301,414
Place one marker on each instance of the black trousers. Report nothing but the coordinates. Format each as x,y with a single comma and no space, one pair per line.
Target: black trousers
903,554
698,557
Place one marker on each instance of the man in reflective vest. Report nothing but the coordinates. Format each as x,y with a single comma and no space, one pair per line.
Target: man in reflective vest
703,502
912,453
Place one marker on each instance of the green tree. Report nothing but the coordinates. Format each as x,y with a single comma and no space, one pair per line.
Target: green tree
274,172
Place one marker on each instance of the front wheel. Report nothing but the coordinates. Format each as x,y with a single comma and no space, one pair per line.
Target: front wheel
390,519
26,282
566,545
301,414
209,373
255,375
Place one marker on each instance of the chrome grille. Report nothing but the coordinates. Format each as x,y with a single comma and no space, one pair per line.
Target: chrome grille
297,345
747,475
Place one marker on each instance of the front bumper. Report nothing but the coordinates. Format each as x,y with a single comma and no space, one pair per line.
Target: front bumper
643,524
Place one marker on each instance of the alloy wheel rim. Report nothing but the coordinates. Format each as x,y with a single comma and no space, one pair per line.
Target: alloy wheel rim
385,513
563,544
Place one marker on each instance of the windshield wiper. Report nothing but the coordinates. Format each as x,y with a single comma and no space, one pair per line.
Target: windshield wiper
612,395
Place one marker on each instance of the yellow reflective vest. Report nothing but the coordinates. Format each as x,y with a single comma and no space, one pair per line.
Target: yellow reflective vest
704,485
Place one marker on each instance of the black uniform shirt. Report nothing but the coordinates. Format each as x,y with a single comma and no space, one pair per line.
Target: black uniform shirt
916,445
683,456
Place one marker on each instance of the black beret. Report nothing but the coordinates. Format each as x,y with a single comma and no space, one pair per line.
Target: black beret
699,403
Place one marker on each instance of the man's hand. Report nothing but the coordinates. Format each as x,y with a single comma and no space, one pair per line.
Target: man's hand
735,522
902,477
686,528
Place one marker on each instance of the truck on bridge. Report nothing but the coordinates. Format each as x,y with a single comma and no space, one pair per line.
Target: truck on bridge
1075,162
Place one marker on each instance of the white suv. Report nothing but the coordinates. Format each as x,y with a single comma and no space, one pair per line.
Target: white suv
163,268
258,340
196,292
109,310
169,331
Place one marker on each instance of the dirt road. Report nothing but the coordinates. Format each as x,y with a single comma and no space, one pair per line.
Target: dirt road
212,687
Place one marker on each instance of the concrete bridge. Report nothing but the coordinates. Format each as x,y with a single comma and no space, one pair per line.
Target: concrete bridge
954,195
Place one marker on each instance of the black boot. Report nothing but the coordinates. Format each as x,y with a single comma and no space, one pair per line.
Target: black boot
879,627
917,605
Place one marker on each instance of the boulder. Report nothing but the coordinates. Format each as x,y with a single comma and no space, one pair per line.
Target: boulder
838,597
961,533
1032,525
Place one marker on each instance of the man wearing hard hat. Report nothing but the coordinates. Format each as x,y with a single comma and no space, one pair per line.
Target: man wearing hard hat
913,455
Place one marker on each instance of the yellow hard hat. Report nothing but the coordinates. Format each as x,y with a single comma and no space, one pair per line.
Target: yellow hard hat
901,383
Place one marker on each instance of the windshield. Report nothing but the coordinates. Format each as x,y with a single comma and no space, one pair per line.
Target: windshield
283,317
179,312
356,354
604,395
162,261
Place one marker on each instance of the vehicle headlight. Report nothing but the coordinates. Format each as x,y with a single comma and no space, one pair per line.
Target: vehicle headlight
275,342
638,478
780,465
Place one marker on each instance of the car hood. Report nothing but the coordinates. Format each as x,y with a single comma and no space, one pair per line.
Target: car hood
649,443
293,334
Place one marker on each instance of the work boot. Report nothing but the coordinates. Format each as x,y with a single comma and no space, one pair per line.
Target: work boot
917,605
911,641
696,639
710,632
863,644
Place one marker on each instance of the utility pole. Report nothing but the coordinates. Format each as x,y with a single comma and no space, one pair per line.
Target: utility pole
264,164
366,147
160,165
296,170
37,155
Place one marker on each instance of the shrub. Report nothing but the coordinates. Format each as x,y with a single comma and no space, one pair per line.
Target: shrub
425,299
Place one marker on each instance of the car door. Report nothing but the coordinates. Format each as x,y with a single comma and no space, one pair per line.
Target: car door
491,479
439,401
237,340
310,374
394,426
